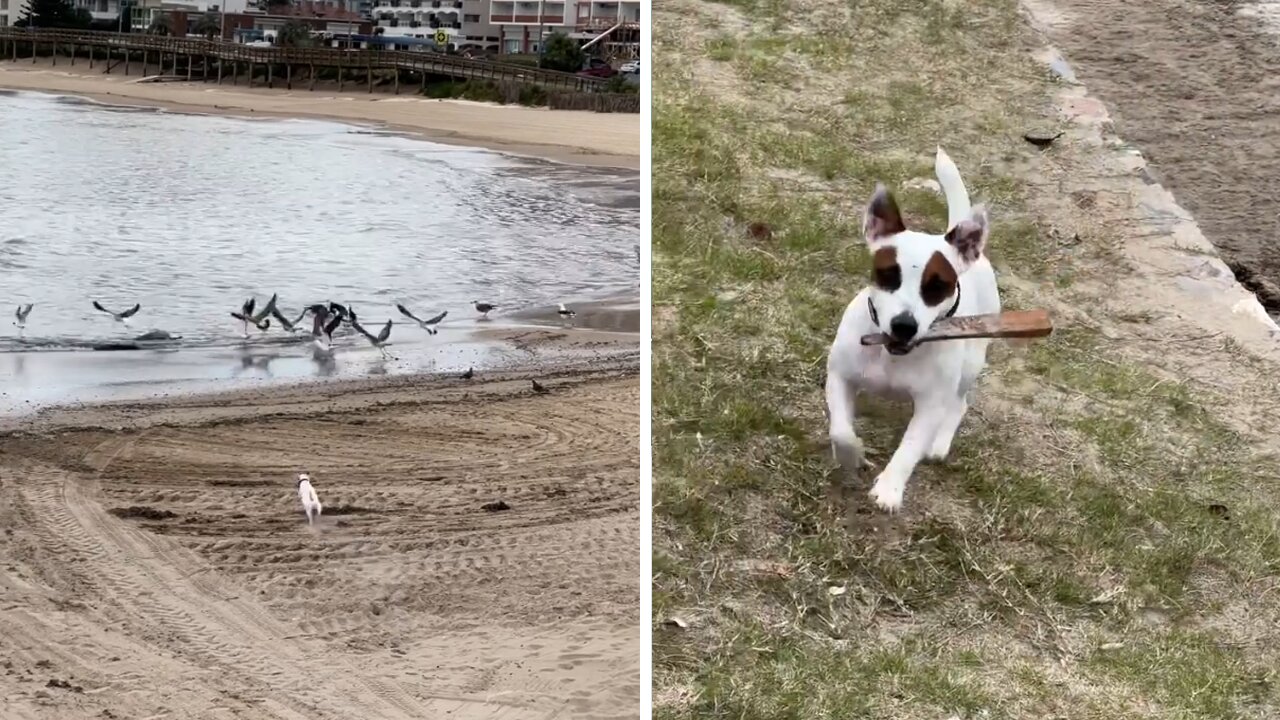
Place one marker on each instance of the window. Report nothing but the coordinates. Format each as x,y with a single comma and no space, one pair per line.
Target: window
465,18
4,5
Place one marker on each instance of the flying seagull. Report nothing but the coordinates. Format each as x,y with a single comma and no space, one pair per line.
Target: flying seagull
483,307
324,324
118,316
380,340
538,388
246,319
293,326
427,324
21,317
565,312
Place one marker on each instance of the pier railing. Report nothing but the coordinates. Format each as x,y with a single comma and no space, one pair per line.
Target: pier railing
431,63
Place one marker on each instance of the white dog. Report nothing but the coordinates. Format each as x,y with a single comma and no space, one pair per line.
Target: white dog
917,278
310,501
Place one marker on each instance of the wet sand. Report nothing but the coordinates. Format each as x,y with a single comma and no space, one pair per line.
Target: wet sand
478,555
571,136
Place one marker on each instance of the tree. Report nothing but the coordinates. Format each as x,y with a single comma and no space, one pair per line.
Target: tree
209,26
294,34
160,25
561,52
49,14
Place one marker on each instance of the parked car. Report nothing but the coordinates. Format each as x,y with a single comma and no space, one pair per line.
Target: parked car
632,67
599,71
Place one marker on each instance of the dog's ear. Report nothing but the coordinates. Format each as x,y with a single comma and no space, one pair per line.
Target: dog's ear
969,236
882,218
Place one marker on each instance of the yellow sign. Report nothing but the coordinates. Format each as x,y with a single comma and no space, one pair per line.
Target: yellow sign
442,37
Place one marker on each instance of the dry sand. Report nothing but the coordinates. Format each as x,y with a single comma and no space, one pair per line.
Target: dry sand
580,137
158,563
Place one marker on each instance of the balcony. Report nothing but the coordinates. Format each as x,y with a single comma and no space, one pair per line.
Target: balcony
527,19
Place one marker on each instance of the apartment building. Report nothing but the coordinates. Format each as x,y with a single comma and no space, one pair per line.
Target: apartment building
523,24
420,20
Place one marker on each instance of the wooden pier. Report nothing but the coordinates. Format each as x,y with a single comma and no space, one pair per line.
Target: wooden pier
128,52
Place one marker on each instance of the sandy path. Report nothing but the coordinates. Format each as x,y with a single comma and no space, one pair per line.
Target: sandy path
606,139
408,601
1206,116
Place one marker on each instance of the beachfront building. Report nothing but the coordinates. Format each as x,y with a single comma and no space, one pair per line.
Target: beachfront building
434,24
523,24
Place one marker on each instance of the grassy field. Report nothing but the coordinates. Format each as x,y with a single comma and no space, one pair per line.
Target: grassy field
1103,542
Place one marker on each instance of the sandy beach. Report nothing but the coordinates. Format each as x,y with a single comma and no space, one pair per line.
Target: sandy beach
579,137
478,555
479,551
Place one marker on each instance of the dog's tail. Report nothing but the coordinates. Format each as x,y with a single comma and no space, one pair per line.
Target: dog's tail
952,188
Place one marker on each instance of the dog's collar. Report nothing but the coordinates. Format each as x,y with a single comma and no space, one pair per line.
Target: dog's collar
875,317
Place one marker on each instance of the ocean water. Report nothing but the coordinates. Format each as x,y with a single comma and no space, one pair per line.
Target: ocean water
189,215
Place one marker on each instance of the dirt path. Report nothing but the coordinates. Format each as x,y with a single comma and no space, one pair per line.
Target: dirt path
164,569
1206,116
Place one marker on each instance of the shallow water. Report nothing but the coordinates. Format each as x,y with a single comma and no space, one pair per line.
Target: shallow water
191,214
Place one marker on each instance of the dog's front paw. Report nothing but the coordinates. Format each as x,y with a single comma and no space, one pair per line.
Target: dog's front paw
887,492
848,452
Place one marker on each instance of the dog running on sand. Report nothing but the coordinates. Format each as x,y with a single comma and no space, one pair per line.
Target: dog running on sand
310,501
917,278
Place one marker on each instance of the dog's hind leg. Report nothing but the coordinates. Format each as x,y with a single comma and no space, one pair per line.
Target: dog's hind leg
952,414
846,446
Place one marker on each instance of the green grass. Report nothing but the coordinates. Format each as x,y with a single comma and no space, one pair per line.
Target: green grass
1083,504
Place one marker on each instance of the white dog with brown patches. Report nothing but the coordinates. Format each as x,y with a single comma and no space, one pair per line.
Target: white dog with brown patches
310,501
917,278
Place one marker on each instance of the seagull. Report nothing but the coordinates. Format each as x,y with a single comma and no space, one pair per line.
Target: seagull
122,317
21,317
565,312
424,324
293,326
341,311
246,319
537,387
324,324
483,307
380,340
470,373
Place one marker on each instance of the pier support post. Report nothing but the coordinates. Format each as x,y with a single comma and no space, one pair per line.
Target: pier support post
271,76
313,77
341,74
144,63
175,64
250,73
204,73
288,76
219,71
126,61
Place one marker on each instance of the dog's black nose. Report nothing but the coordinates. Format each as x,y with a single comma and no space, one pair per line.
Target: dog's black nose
903,327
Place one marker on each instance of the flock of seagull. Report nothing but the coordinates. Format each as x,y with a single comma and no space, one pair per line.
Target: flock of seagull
326,318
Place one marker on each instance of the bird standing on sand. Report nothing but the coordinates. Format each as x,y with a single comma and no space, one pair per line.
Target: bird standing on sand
428,324
483,308
564,312
120,317
20,317
470,373
538,388
379,341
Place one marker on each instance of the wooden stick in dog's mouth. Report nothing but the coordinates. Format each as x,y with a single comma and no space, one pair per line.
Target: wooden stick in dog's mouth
1009,324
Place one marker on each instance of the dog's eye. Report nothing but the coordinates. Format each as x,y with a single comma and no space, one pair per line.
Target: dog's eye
934,290
888,278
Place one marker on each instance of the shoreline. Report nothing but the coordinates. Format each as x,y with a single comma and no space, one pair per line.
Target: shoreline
606,140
